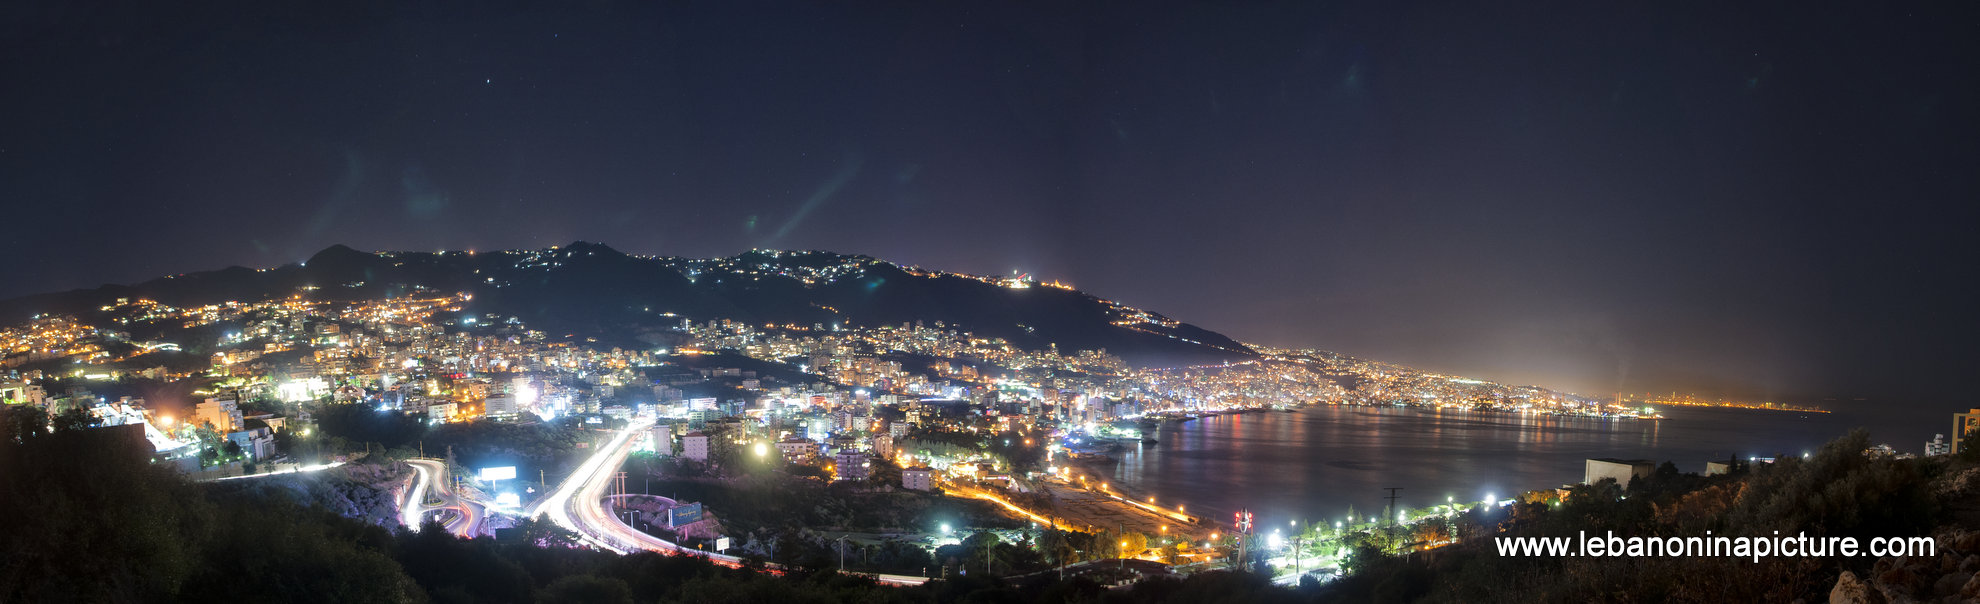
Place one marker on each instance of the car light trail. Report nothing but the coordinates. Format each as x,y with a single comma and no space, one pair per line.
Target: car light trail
578,505
415,506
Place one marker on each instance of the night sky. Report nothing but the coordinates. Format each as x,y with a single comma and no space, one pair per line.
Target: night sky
1760,201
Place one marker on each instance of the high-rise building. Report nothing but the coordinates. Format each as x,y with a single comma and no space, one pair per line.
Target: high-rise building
663,439
500,406
1964,425
1938,446
919,478
695,446
852,465
223,414
796,449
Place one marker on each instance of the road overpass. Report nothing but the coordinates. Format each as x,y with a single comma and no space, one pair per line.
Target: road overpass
431,475
578,505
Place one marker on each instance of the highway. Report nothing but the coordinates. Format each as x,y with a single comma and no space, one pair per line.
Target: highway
960,489
578,504
431,475
293,469
565,507
413,510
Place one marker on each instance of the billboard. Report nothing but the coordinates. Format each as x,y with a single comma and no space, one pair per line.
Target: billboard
683,515
498,473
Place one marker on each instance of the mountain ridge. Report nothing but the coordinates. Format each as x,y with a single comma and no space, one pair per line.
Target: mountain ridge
591,290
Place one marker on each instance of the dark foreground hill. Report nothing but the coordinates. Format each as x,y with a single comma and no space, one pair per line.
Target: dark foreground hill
589,290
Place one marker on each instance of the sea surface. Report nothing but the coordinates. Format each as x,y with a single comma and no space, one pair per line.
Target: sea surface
1312,464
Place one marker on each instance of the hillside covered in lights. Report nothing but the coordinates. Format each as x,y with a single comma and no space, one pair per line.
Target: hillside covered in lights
596,293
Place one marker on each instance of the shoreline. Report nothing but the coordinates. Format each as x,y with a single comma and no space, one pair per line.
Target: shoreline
1324,461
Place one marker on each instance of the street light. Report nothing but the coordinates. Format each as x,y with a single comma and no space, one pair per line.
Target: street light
1295,555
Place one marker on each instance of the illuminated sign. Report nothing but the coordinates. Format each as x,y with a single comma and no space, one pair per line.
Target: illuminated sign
498,473
683,515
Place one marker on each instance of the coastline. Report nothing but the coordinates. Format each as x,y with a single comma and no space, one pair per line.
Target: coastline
1326,458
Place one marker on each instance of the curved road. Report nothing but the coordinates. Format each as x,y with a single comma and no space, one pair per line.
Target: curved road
466,521
578,505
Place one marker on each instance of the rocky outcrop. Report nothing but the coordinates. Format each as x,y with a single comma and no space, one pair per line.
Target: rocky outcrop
1963,485
1950,574
1851,590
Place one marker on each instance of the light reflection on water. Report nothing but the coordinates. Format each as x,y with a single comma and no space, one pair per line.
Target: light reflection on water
1314,463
